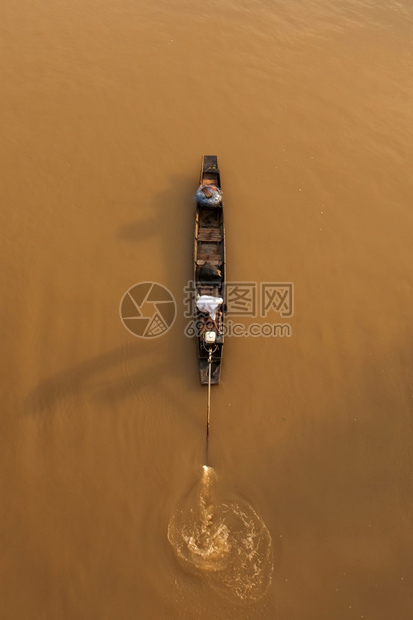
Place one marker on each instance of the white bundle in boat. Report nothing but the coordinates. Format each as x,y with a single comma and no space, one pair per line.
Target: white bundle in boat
208,304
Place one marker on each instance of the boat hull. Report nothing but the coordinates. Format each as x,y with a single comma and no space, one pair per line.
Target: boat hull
209,268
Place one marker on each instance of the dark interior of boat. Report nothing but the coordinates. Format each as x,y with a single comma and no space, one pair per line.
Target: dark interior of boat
210,263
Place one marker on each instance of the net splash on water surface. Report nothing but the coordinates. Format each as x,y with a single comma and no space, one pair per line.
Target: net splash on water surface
224,542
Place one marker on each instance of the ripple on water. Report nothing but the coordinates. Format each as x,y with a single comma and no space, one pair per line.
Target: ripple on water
226,543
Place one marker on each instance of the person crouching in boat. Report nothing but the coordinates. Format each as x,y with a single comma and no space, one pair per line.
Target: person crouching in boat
208,196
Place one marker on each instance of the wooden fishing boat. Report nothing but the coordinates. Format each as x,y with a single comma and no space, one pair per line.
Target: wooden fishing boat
209,273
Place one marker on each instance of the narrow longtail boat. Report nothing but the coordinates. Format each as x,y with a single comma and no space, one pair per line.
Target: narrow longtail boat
209,271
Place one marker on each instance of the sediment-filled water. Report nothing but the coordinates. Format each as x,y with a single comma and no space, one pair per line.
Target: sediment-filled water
107,108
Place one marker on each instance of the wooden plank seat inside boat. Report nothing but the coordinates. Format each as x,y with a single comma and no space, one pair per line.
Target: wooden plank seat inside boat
210,178
209,234
212,259
214,291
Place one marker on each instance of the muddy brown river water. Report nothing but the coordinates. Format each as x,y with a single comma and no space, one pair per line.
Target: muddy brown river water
105,511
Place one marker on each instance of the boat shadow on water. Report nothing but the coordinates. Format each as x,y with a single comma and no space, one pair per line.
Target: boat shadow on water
109,378
140,365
